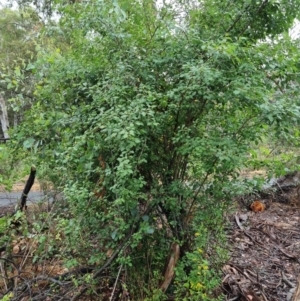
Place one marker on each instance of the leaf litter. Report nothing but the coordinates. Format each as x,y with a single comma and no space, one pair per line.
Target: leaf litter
264,262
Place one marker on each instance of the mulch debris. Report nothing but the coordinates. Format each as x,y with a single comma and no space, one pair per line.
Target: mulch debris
264,261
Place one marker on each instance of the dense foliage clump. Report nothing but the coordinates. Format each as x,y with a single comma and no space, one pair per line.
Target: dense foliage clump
144,120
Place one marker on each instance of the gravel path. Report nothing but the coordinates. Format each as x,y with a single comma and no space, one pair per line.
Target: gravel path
11,198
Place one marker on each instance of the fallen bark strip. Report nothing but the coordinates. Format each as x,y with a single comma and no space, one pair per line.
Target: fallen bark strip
170,267
27,187
286,280
296,296
238,222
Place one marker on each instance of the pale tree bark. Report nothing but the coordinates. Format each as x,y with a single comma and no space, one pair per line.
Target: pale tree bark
4,117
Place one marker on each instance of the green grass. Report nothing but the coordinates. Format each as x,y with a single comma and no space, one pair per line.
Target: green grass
3,224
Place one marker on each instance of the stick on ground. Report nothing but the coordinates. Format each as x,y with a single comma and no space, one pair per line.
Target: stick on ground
296,296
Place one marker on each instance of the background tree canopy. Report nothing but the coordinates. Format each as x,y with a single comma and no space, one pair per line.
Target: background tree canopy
18,38
145,118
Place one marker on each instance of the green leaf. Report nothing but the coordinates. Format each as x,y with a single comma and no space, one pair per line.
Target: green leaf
28,143
149,230
145,218
114,234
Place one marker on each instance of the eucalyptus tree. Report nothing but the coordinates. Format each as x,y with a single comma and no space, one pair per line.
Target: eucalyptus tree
146,119
18,34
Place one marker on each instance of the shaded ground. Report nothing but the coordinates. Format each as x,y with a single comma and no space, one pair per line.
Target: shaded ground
265,257
6,209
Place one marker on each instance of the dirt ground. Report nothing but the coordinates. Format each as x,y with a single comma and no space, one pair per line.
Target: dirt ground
19,185
265,257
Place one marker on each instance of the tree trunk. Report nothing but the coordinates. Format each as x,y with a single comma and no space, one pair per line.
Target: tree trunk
27,188
4,117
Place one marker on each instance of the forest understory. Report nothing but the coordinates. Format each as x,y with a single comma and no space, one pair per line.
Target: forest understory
264,262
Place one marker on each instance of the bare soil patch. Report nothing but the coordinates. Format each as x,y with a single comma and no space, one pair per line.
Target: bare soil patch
19,186
265,256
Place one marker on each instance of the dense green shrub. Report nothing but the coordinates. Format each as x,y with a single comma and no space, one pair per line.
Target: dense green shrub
145,121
